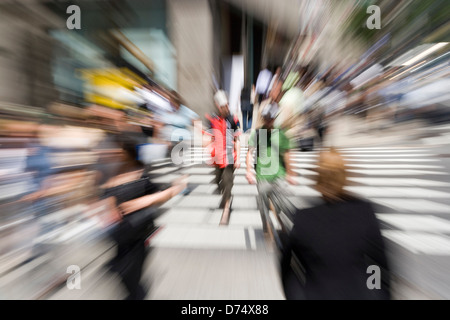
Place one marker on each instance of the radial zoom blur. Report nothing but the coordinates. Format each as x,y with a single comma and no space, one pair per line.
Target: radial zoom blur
224,149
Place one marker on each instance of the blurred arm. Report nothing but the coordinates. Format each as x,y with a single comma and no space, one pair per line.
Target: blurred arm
152,199
249,164
237,148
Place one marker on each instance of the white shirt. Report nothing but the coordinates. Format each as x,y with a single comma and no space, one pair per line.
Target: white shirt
263,81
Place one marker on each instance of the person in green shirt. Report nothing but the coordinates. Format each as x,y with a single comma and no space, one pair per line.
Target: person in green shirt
273,166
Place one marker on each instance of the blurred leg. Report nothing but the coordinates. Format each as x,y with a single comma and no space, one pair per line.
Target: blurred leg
225,219
244,120
263,189
227,184
250,118
131,276
281,201
218,178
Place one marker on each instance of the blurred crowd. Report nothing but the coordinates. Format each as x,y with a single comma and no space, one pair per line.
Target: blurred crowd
56,162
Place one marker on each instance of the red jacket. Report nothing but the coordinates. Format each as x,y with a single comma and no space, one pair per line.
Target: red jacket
224,131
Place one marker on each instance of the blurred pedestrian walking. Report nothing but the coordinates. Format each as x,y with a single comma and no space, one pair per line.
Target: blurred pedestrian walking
272,167
246,108
225,150
263,84
335,250
133,200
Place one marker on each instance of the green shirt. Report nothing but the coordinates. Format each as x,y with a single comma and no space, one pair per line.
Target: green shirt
269,160
291,80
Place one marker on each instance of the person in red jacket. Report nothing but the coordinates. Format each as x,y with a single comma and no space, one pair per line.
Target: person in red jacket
225,150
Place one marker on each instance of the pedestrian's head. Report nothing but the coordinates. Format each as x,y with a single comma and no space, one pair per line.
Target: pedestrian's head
129,156
221,100
269,113
332,175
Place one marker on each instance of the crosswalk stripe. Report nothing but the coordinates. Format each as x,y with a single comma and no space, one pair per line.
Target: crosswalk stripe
375,166
377,148
392,160
394,166
413,205
420,242
400,151
408,222
387,192
401,172
399,182
401,191
388,155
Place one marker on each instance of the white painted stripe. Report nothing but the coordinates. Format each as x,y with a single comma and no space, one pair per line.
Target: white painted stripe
302,191
188,165
200,178
414,205
299,156
298,160
401,172
394,166
252,236
397,192
204,237
304,181
444,127
410,222
163,170
374,166
393,160
375,159
305,172
390,155
166,178
399,182
373,148
304,165
349,151
159,164
198,171
442,139
420,243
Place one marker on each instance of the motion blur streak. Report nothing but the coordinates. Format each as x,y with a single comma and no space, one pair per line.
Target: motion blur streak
148,71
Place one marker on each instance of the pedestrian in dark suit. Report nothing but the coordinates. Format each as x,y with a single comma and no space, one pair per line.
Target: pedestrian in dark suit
336,247
133,200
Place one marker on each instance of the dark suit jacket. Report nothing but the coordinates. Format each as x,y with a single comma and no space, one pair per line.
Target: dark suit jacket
336,243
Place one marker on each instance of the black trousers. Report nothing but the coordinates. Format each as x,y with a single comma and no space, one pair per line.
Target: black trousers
133,258
224,180
130,235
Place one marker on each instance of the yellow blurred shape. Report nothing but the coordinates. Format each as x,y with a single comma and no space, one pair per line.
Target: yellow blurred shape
94,98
